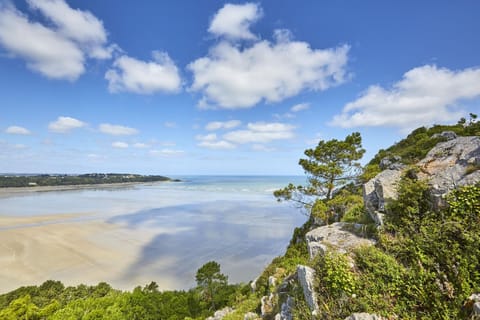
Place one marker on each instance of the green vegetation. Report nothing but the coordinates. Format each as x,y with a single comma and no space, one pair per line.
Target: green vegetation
52,300
82,179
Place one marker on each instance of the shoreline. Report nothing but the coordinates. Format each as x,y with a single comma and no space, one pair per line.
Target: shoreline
7,192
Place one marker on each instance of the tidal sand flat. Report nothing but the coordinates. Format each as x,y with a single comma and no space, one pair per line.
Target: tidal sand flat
131,236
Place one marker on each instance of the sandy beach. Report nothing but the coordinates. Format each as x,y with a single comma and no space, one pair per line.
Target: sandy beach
35,249
19,191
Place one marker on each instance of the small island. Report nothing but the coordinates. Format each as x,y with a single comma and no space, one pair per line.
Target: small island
17,181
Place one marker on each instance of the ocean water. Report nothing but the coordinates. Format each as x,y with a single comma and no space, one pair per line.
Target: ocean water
234,220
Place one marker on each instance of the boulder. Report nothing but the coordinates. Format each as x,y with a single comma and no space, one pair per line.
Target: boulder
363,316
267,305
286,310
451,164
378,191
306,276
218,315
334,236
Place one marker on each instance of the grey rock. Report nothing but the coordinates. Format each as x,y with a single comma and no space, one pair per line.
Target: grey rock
475,297
267,305
286,310
219,314
334,236
392,163
476,309
272,281
378,191
306,276
250,316
449,165
448,135
363,316
253,284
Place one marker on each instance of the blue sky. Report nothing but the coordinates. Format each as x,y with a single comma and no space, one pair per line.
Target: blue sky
215,87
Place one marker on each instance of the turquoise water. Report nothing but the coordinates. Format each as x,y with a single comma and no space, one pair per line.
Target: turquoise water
233,220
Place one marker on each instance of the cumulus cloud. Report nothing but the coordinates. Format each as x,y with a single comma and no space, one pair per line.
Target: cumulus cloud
260,133
17,130
120,145
210,141
300,107
424,95
116,130
144,77
59,50
216,125
233,77
65,124
44,50
233,20
80,26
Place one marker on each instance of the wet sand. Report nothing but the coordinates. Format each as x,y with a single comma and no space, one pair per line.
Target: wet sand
72,252
19,191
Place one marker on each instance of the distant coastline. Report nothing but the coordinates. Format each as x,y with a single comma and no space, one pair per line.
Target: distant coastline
17,185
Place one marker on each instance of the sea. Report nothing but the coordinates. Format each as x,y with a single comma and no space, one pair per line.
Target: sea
234,220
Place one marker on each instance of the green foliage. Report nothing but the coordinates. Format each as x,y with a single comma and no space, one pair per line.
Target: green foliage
336,283
52,300
82,179
212,284
332,164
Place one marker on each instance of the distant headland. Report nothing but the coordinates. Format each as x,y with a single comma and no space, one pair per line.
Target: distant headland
89,179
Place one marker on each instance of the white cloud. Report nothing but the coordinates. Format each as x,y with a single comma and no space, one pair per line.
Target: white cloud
140,145
116,130
233,20
216,125
210,141
167,152
260,133
65,124
120,145
424,95
17,130
300,107
132,75
44,50
57,50
233,77
80,26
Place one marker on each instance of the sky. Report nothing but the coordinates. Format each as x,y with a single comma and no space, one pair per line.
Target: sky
179,87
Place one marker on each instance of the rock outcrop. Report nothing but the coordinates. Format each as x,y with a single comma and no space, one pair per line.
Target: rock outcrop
267,305
286,310
378,191
449,165
306,276
335,237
